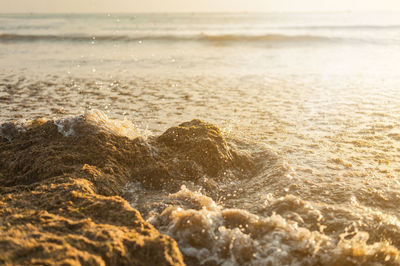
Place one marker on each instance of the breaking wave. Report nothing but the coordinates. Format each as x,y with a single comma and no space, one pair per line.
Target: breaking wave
8,37
224,201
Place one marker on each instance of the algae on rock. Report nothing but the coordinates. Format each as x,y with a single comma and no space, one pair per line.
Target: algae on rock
60,195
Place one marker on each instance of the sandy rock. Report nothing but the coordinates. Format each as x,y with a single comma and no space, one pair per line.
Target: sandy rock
59,195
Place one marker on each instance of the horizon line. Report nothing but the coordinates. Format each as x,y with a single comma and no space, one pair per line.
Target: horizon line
196,12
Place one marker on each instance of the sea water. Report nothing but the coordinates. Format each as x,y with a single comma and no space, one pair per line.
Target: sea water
319,91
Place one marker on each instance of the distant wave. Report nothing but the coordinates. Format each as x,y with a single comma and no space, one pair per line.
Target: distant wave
342,27
50,37
265,37
166,37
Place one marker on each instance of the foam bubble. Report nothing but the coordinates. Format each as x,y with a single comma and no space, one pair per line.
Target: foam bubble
209,233
123,127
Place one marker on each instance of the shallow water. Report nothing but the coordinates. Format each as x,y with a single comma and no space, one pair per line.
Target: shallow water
323,112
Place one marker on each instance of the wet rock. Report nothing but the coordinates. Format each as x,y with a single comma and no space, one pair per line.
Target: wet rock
200,150
8,131
59,193
62,221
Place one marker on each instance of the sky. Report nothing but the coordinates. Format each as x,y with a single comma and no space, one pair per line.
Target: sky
133,6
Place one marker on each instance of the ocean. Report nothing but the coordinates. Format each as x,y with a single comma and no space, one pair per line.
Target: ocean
312,98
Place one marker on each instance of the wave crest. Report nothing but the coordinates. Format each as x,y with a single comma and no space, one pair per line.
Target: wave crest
164,37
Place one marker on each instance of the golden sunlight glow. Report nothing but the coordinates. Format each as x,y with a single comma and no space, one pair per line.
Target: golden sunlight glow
197,6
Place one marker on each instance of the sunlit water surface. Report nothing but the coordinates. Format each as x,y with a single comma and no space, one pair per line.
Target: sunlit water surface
322,91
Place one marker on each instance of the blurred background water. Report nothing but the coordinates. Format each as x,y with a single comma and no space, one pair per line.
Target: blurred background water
321,89
276,44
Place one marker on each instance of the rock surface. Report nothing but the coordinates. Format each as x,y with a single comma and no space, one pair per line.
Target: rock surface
60,195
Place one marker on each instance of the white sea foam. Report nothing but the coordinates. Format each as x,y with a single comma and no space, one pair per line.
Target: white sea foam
65,126
212,234
124,127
